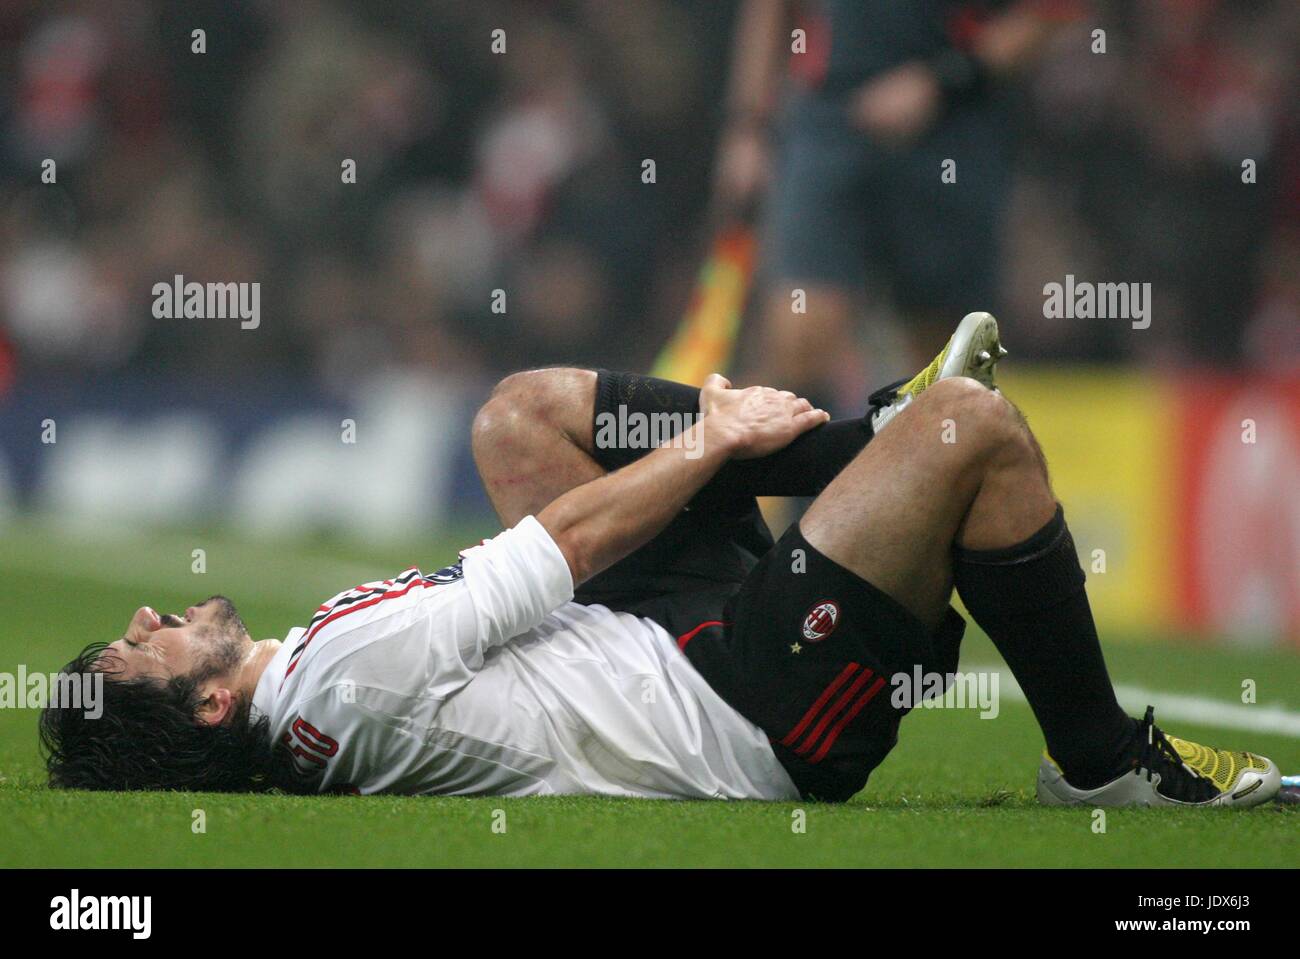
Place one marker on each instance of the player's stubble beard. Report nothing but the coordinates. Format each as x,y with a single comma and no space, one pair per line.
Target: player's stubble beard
226,642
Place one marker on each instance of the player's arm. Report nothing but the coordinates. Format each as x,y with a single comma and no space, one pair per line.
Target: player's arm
599,522
901,103
757,54
756,57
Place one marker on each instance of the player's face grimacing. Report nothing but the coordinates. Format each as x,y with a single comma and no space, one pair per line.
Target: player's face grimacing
209,640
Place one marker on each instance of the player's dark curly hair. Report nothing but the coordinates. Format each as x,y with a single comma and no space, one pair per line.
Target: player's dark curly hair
148,736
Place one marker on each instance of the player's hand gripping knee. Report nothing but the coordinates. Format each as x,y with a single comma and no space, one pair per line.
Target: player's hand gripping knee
755,421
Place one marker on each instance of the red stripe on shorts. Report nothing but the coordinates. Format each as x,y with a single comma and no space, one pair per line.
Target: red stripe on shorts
818,706
831,713
829,741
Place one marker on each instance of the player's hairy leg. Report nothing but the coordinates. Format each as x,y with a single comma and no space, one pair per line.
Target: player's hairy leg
960,494
532,438
783,354
962,468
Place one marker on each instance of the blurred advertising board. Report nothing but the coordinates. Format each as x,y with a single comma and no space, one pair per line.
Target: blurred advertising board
1238,535
1183,493
386,459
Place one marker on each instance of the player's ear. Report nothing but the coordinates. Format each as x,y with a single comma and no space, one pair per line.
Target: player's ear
217,707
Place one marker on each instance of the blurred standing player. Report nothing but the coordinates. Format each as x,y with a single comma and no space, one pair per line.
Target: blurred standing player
886,91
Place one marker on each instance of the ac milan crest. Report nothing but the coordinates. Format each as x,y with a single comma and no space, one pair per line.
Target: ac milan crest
820,621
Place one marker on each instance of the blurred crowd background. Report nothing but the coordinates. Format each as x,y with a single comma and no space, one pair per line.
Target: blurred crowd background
1176,446
522,171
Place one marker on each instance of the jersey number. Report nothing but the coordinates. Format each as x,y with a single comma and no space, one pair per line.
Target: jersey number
319,747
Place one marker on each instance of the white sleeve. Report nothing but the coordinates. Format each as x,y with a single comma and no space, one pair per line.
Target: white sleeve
515,579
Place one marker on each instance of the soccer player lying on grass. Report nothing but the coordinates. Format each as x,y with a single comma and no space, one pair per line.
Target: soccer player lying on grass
636,632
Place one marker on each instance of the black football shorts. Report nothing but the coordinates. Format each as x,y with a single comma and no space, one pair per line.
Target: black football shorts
799,645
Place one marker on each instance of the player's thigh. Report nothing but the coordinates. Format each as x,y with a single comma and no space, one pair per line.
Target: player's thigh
944,237
814,220
891,515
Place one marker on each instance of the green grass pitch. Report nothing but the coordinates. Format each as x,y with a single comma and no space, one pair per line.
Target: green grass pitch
957,791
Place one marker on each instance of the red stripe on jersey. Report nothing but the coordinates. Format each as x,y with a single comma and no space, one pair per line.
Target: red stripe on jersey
340,614
818,706
685,638
834,711
829,741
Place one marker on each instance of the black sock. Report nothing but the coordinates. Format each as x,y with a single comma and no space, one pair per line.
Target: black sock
803,468
1030,599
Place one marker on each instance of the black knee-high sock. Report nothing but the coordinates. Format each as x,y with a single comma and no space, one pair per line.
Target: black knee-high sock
803,468
1030,599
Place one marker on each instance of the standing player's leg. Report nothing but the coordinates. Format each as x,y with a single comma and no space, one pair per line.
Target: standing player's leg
944,240
814,251
801,348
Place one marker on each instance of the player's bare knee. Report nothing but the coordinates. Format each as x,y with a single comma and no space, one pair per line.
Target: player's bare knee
560,398
968,410
1001,431
528,386
995,420
512,405
953,391
958,398
495,421
542,392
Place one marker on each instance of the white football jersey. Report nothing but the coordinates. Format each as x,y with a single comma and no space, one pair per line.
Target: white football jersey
485,678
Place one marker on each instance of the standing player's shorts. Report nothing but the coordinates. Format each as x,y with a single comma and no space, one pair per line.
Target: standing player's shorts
799,645
844,208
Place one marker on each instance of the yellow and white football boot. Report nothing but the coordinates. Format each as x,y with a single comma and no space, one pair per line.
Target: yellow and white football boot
973,350
1171,772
